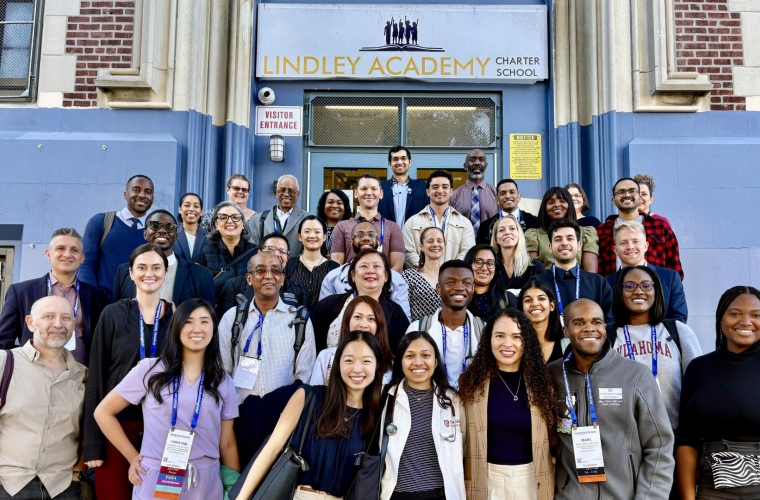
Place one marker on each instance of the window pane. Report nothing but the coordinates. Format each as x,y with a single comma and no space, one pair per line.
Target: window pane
355,121
450,122
15,47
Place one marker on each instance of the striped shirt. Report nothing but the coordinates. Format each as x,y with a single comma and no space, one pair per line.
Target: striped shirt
418,469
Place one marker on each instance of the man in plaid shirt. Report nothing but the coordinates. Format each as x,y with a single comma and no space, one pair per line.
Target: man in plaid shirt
663,245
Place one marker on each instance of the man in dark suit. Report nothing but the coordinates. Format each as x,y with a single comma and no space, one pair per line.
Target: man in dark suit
184,280
508,197
631,247
402,196
65,255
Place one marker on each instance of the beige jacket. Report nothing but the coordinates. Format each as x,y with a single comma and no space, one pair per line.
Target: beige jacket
460,236
476,451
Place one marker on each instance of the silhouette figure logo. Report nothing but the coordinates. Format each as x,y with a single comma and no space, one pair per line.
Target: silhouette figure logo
401,36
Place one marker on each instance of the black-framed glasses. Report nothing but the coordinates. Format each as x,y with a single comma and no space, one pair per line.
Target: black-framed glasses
490,264
623,192
631,286
156,226
272,249
234,218
241,189
276,273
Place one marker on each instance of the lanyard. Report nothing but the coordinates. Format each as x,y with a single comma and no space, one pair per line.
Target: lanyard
577,286
259,324
569,399
76,287
198,402
654,348
142,331
466,340
278,228
382,230
443,219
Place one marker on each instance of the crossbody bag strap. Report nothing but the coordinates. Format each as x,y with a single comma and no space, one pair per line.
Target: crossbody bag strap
234,261
7,374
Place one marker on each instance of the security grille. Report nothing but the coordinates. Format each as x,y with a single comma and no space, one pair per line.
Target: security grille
17,35
365,121
453,122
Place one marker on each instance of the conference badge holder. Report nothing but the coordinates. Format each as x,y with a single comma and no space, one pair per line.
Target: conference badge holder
246,372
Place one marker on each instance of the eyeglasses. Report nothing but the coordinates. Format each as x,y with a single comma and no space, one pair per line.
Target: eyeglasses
224,217
156,226
260,273
241,189
623,192
399,158
291,192
630,286
272,249
361,235
490,264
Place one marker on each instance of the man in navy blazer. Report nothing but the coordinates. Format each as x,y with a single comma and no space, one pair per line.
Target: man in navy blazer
402,196
631,246
185,279
65,255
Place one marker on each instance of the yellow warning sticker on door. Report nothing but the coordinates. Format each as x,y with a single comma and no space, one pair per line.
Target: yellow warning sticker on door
525,156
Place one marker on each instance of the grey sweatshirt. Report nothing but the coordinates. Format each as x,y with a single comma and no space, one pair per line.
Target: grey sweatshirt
637,438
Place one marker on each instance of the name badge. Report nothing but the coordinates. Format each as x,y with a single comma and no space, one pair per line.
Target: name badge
380,248
171,477
606,393
246,372
72,343
589,461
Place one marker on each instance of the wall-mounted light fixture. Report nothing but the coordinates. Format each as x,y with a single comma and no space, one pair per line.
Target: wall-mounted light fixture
276,148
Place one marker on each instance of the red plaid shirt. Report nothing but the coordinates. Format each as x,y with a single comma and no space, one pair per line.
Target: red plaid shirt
663,246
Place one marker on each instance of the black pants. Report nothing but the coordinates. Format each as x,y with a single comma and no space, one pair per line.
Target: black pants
35,490
437,494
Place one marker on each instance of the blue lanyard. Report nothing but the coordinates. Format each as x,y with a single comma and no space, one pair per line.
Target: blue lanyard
569,399
443,219
278,228
382,230
259,324
577,286
466,340
76,287
654,348
142,331
198,402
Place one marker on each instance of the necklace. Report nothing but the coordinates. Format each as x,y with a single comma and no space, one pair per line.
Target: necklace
346,419
311,267
519,380
414,392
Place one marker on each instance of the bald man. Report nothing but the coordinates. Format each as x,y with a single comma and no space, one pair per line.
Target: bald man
631,423
40,422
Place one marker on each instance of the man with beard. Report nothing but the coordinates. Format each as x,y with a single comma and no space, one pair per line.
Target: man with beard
508,197
364,235
476,200
184,280
453,325
612,408
40,423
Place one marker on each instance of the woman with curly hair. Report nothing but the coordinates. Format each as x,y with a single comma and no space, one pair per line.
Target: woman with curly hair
333,206
509,422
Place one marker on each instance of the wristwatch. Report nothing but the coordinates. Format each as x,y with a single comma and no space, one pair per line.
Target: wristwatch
77,475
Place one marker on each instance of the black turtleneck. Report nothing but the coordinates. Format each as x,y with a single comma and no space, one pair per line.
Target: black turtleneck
720,398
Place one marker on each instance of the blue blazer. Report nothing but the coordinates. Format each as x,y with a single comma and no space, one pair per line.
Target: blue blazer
191,281
672,289
181,247
415,201
18,304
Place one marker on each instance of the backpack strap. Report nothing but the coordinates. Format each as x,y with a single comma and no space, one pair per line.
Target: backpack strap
107,225
7,374
672,328
299,322
263,217
424,323
477,327
563,343
291,267
241,316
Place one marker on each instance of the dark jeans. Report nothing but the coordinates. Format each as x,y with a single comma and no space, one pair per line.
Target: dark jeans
35,490
436,494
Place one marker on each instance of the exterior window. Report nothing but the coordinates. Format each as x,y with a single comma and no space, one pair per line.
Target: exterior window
18,44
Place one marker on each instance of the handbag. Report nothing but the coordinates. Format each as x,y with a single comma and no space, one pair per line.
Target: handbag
282,479
733,464
366,485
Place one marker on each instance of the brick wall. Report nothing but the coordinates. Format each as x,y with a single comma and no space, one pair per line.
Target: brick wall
709,40
101,37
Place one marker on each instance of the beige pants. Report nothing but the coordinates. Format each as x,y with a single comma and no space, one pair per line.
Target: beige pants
312,495
511,482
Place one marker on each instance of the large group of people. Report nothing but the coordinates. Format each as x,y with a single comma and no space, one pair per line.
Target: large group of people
476,351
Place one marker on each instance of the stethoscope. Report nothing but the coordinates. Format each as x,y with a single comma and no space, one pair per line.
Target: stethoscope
392,429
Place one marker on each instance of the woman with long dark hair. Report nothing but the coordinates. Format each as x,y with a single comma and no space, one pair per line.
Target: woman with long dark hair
536,301
558,204
720,406
424,299
368,274
362,313
491,294
344,417
185,389
333,206
191,238
508,242
128,330
426,440
511,411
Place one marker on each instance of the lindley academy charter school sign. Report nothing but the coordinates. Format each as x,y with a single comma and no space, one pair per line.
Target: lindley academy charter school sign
481,43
